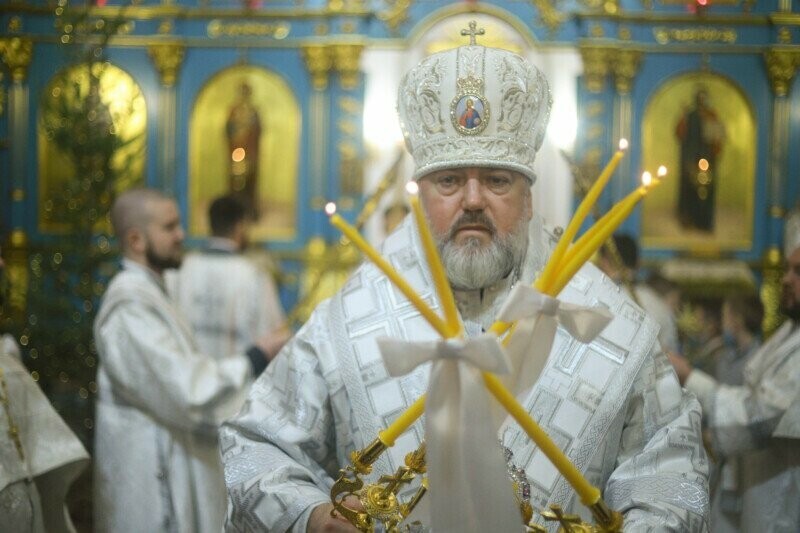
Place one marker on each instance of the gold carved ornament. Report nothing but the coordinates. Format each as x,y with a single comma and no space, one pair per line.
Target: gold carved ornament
16,54
168,59
625,66
770,292
781,67
346,58
596,65
396,13
319,61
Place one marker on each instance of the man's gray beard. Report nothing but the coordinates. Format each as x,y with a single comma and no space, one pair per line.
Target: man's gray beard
472,265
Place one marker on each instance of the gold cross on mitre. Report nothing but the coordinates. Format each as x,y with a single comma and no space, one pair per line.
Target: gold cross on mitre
472,32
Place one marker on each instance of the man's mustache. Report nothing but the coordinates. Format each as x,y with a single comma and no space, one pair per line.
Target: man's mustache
472,218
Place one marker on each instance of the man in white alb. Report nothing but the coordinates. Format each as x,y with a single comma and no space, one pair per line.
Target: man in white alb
228,300
161,397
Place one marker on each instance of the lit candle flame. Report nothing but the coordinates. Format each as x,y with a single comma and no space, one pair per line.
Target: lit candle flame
623,144
703,164
662,171
412,187
647,178
330,208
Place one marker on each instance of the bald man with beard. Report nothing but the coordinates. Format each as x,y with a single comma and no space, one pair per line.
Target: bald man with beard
161,398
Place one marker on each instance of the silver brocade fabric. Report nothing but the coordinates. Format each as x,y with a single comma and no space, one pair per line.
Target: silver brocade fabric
614,406
750,423
228,301
32,491
160,403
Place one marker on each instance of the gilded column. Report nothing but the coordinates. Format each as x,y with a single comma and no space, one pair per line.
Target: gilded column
347,124
781,66
167,58
624,65
597,60
319,62
16,54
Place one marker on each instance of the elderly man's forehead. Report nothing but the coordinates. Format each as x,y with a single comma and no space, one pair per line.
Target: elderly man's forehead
481,170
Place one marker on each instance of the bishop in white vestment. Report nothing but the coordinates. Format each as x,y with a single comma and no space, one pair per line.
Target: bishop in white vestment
614,406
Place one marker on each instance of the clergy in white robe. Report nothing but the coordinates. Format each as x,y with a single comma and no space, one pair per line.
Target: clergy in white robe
745,422
36,470
228,299
161,399
614,406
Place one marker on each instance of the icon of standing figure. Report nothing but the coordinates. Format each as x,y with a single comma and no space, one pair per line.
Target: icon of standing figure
243,130
701,135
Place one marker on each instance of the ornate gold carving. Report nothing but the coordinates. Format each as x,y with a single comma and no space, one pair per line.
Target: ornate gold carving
549,14
17,53
351,169
596,60
702,34
346,59
277,30
395,14
625,66
319,61
18,239
168,59
770,292
784,35
781,66
15,25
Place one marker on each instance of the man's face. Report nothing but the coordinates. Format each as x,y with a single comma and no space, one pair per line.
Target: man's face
479,217
164,236
790,286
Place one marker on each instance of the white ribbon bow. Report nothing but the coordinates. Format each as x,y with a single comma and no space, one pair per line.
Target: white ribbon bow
466,468
538,316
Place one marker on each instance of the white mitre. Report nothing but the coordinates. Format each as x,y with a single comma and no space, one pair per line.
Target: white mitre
791,235
474,106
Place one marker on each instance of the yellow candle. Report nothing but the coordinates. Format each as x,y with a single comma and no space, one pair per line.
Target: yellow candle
403,422
443,289
589,493
602,230
351,233
583,210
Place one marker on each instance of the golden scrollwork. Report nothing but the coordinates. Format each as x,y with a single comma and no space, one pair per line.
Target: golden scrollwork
770,292
277,30
16,53
395,14
596,65
701,34
346,58
625,66
319,61
550,16
781,67
168,59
